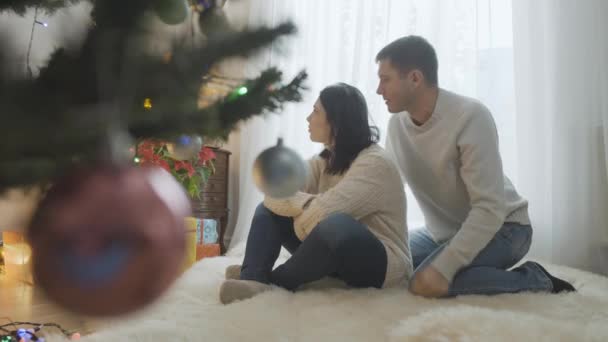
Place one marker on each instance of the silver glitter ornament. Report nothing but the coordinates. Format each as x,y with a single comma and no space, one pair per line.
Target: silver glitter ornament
185,147
279,171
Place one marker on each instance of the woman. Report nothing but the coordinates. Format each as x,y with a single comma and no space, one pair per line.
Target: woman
348,221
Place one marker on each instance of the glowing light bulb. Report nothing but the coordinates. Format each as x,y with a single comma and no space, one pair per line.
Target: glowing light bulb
242,91
148,103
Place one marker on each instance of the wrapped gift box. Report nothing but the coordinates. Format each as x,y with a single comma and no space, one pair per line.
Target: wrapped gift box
207,250
206,238
190,257
17,257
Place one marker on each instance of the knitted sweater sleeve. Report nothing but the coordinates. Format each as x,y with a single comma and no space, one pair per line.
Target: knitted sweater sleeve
292,206
482,174
356,194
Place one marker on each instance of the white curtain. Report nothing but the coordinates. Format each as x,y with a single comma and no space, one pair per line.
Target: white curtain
338,41
561,56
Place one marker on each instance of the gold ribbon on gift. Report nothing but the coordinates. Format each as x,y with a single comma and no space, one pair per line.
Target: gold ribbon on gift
191,228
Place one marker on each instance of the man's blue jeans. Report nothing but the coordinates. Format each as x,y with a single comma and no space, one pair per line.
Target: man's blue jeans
489,272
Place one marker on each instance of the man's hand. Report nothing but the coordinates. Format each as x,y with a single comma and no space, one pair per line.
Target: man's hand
429,283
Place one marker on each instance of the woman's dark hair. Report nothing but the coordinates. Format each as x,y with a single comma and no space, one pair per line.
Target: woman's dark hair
347,115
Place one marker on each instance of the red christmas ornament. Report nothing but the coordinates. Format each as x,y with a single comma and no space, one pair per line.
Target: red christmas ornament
109,240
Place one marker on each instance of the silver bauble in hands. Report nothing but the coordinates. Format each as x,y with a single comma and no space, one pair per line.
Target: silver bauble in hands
279,171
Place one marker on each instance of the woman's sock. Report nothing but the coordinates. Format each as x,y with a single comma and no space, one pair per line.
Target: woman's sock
234,290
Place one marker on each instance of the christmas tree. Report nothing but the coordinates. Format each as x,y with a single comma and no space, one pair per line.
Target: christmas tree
87,102
104,227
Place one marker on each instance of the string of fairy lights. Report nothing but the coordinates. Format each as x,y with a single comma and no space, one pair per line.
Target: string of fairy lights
20,334
35,22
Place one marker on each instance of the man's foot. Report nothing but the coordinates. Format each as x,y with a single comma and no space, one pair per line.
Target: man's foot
559,285
233,272
233,290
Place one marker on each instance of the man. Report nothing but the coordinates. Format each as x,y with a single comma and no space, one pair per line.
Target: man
446,147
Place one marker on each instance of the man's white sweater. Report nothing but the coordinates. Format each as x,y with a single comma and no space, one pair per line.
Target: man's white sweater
452,165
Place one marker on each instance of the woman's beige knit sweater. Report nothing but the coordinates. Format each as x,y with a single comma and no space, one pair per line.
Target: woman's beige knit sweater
371,191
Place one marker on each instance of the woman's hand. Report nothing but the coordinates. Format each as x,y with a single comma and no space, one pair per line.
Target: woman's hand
291,206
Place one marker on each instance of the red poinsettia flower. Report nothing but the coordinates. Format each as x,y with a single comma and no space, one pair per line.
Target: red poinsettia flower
205,155
156,153
164,165
146,150
184,165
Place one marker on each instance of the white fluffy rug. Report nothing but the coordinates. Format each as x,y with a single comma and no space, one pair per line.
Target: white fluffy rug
191,312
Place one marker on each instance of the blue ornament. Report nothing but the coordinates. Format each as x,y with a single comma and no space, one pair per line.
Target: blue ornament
203,6
185,147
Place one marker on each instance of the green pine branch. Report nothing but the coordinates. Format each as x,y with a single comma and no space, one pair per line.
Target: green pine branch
220,119
60,111
64,116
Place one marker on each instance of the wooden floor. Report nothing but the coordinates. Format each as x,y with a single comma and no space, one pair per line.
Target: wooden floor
20,301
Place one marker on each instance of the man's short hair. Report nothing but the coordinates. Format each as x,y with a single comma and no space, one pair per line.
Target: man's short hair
412,52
